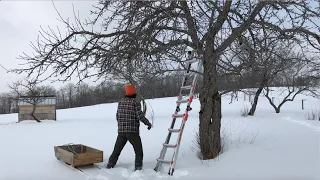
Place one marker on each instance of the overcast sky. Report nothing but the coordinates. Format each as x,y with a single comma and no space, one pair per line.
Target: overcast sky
20,23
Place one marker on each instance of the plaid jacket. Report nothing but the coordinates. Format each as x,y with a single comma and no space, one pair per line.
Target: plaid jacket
129,115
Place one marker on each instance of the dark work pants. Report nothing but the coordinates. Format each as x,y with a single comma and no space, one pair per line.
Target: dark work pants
135,140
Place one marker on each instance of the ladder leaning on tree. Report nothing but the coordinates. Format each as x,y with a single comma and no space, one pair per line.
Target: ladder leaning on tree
191,87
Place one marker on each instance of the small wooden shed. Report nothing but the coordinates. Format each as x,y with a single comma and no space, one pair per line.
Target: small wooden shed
45,108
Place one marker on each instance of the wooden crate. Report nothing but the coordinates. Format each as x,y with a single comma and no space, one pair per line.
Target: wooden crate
78,154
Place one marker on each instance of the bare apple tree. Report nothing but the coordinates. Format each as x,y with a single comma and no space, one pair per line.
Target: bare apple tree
263,57
298,79
152,37
29,92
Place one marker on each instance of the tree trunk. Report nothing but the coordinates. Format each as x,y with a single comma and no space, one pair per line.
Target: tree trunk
210,111
32,113
255,102
256,97
277,110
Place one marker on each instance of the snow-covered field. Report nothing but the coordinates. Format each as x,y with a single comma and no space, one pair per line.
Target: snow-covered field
267,146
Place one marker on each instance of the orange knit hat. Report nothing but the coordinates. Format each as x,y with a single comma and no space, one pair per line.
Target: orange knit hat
130,90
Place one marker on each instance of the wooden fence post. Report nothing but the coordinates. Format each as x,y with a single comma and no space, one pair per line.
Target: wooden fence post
302,103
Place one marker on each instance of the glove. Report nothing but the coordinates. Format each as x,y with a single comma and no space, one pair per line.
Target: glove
149,126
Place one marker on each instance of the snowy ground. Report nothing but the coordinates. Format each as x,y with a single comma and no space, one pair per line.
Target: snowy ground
266,146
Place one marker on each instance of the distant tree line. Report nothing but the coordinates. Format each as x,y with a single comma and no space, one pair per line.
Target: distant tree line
72,95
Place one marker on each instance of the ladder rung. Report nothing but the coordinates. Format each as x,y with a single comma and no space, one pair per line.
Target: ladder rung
164,161
178,115
170,145
183,101
185,116
187,87
174,130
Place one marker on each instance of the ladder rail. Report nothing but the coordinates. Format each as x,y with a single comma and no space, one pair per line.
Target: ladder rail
190,62
176,151
185,78
164,149
195,79
166,144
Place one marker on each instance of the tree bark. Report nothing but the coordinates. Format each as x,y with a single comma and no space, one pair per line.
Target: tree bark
210,110
255,102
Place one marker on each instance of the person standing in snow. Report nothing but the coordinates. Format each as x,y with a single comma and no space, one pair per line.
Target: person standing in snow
129,115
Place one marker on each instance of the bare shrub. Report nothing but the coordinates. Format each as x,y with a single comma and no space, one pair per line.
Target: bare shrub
150,113
244,111
312,115
244,136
